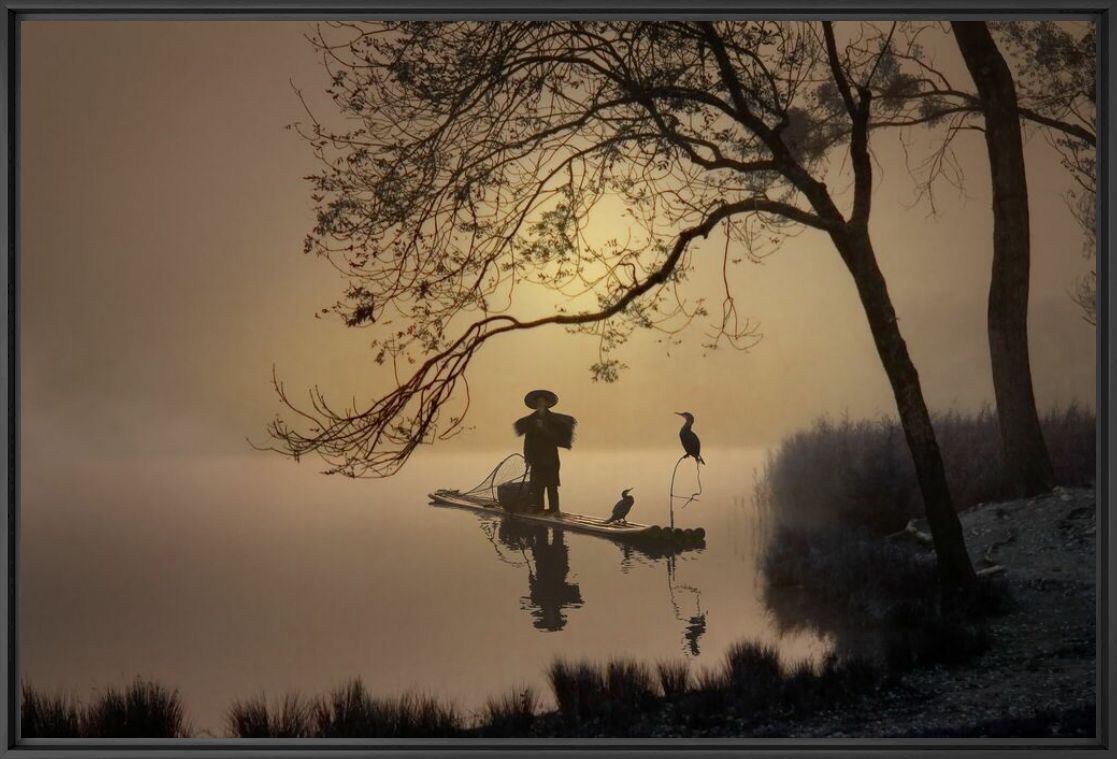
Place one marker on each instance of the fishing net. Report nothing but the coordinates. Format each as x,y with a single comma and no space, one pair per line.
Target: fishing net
506,484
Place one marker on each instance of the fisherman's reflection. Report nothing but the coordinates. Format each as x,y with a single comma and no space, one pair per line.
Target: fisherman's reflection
549,593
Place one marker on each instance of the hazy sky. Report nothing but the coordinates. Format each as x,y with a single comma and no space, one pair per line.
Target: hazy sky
163,212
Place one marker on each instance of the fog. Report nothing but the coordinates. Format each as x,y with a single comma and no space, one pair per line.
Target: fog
163,212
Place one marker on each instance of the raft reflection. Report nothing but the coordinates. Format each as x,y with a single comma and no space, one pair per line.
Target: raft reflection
542,551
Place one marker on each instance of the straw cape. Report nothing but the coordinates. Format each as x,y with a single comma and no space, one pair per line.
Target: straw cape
557,428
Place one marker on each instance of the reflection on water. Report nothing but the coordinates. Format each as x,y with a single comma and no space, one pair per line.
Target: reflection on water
694,624
549,591
542,552
226,577
849,632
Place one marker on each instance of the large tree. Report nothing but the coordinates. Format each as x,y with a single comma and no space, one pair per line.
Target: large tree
1027,463
1055,68
476,153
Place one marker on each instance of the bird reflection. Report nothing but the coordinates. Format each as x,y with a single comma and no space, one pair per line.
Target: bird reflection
548,560
542,551
694,625
679,594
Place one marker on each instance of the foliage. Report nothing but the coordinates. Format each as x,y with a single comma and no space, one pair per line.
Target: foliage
1054,66
470,163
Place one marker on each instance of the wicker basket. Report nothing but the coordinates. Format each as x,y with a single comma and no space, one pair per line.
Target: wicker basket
515,495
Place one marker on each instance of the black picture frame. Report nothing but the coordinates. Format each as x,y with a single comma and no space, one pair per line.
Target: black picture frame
14,11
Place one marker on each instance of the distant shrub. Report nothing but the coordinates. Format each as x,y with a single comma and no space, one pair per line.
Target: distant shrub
859,473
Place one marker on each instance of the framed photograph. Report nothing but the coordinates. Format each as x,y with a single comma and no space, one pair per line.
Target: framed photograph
417,378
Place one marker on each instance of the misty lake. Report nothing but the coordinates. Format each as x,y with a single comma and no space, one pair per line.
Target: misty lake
228,577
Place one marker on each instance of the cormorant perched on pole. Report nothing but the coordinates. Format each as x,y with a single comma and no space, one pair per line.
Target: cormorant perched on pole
624,505
691,444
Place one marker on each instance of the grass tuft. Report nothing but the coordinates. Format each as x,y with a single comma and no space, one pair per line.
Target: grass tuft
674,677
752,673
350,712
510,715
577,688
48,716
291,717
144,709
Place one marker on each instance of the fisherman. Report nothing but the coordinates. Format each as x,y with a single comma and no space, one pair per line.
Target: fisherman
544,431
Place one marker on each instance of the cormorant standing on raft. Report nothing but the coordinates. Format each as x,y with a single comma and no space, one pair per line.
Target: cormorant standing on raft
544,431
691,444
624,505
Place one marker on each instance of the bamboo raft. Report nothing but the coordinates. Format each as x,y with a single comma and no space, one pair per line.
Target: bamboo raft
628,532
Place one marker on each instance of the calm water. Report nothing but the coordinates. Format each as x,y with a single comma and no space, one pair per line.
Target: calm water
230,577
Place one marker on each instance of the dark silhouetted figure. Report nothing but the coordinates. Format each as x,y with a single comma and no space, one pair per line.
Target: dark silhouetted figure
624,505
691,444
544,433
548,591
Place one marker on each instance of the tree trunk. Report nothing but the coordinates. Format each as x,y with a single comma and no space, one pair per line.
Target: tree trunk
955,569
1027,464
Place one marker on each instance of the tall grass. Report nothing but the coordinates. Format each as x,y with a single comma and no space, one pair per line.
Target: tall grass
143,709
752,684
752,674
348,711
290,717
629,686
859,473
674,677
611,696
48,716
351,712
577,688
620,697
510,715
